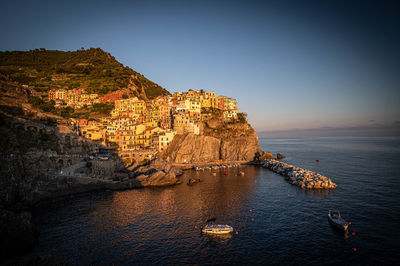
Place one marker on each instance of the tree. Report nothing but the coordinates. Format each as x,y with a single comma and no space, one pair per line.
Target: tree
242,117
35,101
113,144
65,112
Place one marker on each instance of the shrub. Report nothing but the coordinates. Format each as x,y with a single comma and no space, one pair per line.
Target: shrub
242,117
12,110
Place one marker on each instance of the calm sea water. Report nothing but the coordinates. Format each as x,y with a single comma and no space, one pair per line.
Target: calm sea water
276,223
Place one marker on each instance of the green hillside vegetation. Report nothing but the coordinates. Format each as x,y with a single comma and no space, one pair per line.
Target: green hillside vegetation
93,69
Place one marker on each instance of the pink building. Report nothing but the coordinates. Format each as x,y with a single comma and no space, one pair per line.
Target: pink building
111,97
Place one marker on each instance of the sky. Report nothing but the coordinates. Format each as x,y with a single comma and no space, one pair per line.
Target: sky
290,64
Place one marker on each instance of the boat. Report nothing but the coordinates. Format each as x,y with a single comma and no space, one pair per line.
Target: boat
336,220
217,229
103,158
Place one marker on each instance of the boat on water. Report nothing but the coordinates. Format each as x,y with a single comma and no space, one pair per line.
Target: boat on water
217,229
336,220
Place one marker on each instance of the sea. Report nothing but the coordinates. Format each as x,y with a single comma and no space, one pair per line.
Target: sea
274,223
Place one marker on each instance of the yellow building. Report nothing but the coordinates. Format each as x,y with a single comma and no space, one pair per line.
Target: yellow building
184,124
231,104
59,94
165,139
139,107
149,133
92,132
150,123
192,93
195,116
136,129
209,94
183,105
205,103
194,105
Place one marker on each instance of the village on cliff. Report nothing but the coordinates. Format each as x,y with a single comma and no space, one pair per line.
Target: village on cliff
135,124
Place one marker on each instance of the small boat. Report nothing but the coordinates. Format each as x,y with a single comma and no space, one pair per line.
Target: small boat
336,220
217,229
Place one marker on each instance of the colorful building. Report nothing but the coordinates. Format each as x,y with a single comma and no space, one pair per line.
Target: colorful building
165,139
111,97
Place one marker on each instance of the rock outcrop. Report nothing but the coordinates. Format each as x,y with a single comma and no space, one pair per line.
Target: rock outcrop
193,181
158,173
190,148
33,154
280,156
263,156
300,177
236,142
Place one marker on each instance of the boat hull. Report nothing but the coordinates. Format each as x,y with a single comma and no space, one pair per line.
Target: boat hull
216,232
217,229
339,226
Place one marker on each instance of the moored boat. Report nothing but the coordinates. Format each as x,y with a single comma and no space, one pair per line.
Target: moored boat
217,229
336,220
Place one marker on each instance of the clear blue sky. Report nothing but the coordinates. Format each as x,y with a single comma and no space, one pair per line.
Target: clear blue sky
290,64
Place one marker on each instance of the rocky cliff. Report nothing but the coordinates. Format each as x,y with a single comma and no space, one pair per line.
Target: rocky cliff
33,153
217,141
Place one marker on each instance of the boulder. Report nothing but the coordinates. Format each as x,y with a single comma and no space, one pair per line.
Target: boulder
158,173
160,164
280,156
160,178
266,156
142,178
153,167
192,181
177,171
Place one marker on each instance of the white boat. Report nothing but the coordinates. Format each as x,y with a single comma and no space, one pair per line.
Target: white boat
217,229
336,220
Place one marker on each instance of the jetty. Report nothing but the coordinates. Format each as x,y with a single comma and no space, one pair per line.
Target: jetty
298,176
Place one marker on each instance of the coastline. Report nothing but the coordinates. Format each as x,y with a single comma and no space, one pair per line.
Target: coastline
187,166
156,174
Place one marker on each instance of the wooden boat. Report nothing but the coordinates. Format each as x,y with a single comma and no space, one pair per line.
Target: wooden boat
336,220
217,229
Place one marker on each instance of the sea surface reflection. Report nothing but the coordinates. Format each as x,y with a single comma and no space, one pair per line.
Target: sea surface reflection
274,222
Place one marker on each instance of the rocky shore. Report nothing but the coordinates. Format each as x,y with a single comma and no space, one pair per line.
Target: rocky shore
298,176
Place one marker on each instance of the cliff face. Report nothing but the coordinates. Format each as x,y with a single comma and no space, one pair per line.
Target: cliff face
33,153
218,141
190,148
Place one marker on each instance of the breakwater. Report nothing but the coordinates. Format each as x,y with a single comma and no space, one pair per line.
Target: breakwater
298,176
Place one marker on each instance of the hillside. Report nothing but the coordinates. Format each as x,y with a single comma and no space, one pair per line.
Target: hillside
94,70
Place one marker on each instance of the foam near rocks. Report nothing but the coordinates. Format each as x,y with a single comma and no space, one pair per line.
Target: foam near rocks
298,176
